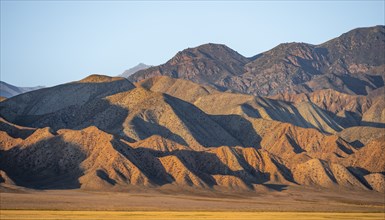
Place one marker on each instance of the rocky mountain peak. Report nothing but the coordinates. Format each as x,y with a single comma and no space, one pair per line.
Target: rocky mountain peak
202,64
210,51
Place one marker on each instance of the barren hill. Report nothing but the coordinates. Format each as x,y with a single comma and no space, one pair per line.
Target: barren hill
206,63
327,110
111,135
347,110
132,113
368,157
48,100
92,159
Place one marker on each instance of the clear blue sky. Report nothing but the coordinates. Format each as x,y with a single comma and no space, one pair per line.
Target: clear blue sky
53,42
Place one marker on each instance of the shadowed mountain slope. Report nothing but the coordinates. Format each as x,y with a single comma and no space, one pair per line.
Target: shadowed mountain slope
48,100
92,159
134,114
349,110
368,157
327,110
361,135
111,135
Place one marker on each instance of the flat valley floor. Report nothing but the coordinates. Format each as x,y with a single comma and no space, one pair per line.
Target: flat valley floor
184,215
291,203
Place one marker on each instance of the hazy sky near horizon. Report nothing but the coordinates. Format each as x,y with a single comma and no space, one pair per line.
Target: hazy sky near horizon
53,42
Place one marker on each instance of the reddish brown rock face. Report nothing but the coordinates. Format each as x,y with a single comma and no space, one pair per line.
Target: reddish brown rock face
352,63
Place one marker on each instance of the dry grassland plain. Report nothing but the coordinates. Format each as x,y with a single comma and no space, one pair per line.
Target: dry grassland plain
183,215
293,203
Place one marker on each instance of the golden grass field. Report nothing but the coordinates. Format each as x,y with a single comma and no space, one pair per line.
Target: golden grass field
184,215
293,203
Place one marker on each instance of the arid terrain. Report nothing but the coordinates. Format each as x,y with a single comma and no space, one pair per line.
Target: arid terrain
290,203
136,215
291,199
299,128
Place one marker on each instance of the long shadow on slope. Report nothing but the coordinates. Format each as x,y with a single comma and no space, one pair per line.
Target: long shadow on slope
277,112
204,130
102,114
146,162
78,105
48,100
146,129
359,85
14,131
55,164
359,173
351,120
214,130
98,112
203,164
250,111
43,166
372,124
240,128
108,117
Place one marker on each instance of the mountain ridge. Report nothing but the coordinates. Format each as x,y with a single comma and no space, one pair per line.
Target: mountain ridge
114,135
289,67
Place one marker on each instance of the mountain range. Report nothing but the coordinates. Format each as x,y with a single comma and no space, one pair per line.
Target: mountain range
352,63
209,119
8,90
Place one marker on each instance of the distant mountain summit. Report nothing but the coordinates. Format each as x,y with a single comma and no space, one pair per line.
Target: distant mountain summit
352,63
208,64
8,90
129,72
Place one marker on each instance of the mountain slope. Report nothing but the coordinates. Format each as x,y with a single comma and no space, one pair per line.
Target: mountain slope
48,100
179,88
90,161
208,63
292,67
214,102
132,113
330,100
337,64
104,133
95,160
369,156
361,135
